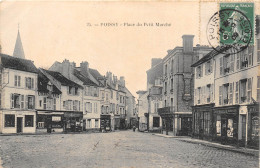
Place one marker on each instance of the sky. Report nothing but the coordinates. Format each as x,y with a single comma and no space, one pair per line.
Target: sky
54,31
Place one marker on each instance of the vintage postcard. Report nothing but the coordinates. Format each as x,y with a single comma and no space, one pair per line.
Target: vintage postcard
129,84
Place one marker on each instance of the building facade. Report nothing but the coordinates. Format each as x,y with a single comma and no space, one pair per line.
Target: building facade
226,104
178,86
18,90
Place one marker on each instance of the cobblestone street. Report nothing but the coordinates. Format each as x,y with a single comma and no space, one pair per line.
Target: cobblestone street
115,149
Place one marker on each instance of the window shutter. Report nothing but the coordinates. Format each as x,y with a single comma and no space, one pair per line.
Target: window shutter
232,63
220,95
12,100
230,93
249,89
26,102
238,60
206,68
195,96
210,66
26,82
201,70
211,92
221,65
32,83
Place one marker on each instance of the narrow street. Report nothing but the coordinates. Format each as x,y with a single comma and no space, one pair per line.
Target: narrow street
115,149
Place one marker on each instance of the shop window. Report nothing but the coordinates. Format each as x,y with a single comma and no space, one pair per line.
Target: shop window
243,91
230,128
9,120
30,100
255,126
28,121
258,89
156,121
218,125
17,80
199,72
89,123
243,117
258,50
96,123
29,83
206,123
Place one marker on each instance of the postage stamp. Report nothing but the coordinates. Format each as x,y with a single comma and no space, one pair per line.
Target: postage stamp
232,26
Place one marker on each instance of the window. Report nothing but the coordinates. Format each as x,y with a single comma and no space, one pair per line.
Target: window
17,80
15,101
226,63
45,103
106,96
69,105
88,107
28,121
206,122
258,89
199,94
208,67
111,94
103,96
220,95
249,89
89,123
258,50
96,123
22,101
95,108
76,105
0,100
95,91
198,72
250,55
29,82
209,91
218,125
236,92
244,58
54,103
243,90
230,97
225,93
30,102
156,121
76,91
165,70
9,120
221,66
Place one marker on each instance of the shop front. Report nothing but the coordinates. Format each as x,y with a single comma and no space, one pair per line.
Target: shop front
105,123
225,124
49,121
253,126
17,122
73,121
202,116
167,116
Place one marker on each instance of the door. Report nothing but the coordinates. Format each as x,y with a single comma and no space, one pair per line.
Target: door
19,124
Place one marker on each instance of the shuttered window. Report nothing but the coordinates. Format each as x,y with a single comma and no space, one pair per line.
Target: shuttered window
220,95
221,66
249,89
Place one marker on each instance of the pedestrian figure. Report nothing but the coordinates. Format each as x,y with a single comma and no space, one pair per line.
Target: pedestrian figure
134,128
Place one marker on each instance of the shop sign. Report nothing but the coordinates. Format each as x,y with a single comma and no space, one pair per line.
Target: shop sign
56,118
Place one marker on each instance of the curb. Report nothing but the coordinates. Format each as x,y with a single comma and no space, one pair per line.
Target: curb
254,153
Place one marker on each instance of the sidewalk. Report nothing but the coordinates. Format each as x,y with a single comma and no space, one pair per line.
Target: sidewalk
187,139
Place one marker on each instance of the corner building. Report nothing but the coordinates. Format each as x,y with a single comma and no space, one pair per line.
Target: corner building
178,87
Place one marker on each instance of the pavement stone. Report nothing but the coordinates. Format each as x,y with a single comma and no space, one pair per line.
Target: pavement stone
114,149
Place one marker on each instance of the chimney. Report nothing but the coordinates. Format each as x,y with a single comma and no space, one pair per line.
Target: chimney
155,61
109,77
65,68
84,69
122,81
187,43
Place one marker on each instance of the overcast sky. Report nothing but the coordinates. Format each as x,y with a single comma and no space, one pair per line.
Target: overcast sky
54,31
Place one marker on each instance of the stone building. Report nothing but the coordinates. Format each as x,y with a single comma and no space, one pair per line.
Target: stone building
227,95
178,86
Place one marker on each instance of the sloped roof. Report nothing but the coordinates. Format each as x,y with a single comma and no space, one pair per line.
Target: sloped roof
18,63
84,79
210,55
95,73
43,82
62,79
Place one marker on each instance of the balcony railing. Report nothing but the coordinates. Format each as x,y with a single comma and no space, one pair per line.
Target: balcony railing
166,110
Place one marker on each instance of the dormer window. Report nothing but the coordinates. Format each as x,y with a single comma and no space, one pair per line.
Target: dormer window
49,88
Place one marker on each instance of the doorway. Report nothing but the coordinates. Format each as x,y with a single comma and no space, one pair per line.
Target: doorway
19,124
